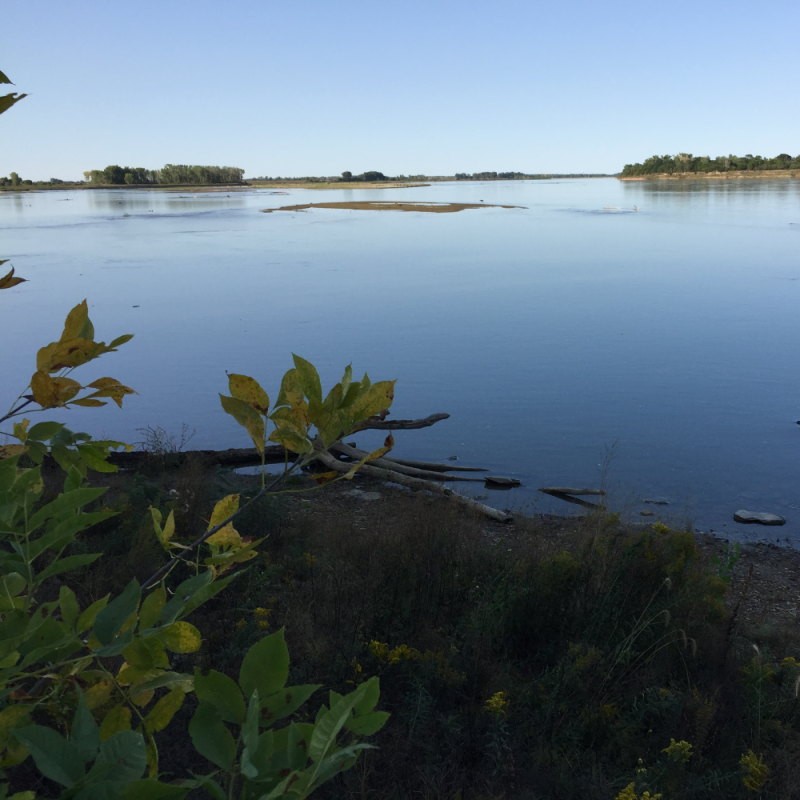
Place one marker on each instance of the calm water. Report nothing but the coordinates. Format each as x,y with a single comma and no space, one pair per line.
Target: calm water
551,334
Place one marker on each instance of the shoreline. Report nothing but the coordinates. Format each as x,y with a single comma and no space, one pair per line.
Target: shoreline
733,175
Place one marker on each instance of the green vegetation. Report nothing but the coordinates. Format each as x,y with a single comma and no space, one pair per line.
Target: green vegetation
686,162
172,174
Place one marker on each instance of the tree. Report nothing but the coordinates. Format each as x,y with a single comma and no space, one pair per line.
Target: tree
347,176
15,181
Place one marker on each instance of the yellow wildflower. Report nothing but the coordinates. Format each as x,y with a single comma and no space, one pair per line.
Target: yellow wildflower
309,559
263,613
497,704
680,751
379,649
757,771
241,623
790,662
262,623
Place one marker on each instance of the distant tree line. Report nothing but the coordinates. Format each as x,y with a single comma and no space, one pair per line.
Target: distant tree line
686,162
496,176
114,175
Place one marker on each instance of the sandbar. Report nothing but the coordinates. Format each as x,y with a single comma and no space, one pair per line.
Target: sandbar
389,205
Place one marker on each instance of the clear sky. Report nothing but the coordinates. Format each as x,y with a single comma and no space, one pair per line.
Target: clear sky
315,87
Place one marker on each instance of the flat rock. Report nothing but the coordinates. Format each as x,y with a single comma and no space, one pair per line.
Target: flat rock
657,501
754,517
502,481
647,513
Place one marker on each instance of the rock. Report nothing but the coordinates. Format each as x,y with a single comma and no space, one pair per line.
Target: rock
657,501
751,517
647,513
502,481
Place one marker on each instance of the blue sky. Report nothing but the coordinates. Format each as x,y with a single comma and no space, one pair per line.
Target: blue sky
314,88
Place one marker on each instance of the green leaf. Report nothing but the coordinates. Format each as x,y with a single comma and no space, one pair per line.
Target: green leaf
73,480
210,736
53,755
125,751
96,458
4,79
117,646
67,564
222,693
373,401
69,501
368,701
146,653
8,100
151,789
247,417
250,737
291,440
183,594
118,719
367,724
12,584
328,727
86,620
110,620
296,755
265,667
85,733
285,702
44,431
308,378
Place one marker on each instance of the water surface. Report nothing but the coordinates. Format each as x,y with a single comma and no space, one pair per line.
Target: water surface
552,334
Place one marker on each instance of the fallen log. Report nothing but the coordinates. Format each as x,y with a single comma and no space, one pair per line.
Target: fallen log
393,464
567,490
403,424
575,500
418,484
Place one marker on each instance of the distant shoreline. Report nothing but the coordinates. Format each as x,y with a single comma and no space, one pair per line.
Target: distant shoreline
733,175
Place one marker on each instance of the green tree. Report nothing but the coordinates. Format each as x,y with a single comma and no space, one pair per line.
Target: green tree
347,176
15,181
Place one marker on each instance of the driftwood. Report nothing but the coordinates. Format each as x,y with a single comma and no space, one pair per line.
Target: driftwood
398,466
567,490
575,500
418,484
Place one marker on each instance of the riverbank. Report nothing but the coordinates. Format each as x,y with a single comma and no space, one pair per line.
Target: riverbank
549,656
735,175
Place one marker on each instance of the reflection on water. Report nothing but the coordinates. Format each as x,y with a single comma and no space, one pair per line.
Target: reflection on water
550,333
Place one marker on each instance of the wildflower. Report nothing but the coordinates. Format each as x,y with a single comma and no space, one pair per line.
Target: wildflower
403,653
263,613
790,662
379,650
680,751
309,559
757,771
262,623
629,793
241,623
497,704
664,693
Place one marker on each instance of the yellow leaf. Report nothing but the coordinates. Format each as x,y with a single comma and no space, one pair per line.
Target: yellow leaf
70,353
7,281
151,607
324,477
223,509
163,711
130,674
248,391
66,388
99,694
181,637
88,402
247,417
45,391
118,719
225,537
8,450
378,397
21,429
375,454
77,324
109,387
291,440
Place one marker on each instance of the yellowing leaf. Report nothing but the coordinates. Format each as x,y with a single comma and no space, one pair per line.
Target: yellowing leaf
308,378
165,534
9,450
375,454
286,417
247,417
143,698
223,509
70,353
324,477
248,391
87,402
151,607
291,395
163,711
77,324
225,537
7,281
181,637
99,694
378,397
291,440
109,387
21,429
44,389
118,719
